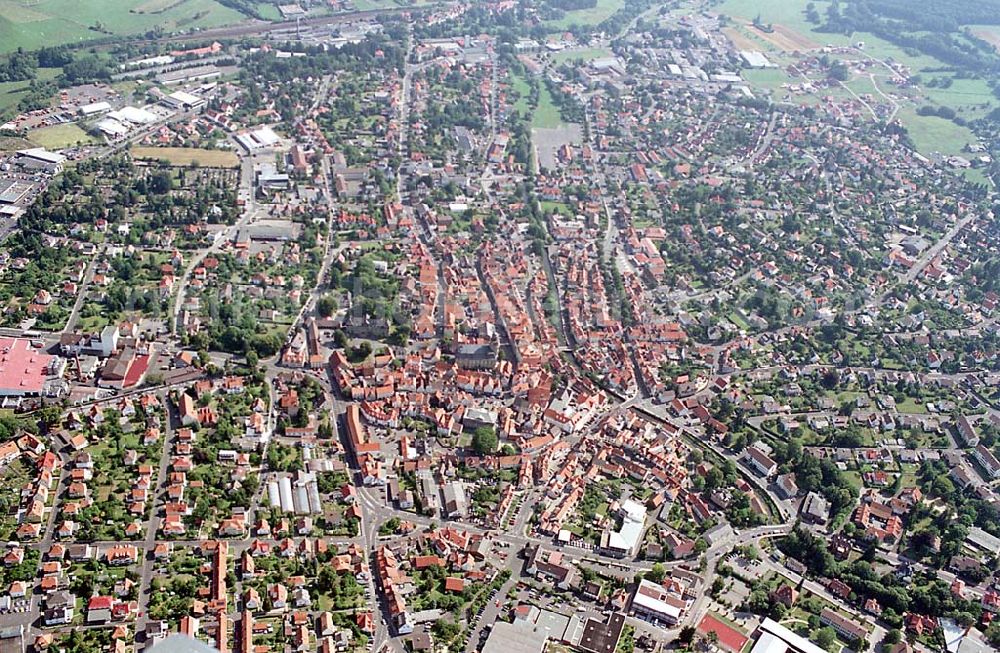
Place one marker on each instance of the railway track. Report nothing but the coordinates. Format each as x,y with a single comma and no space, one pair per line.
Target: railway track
257,27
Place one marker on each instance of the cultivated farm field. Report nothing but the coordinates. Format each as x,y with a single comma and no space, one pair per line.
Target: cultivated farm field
31,24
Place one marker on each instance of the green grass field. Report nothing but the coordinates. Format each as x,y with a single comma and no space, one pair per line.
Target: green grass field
59,136
790,13
971,98
932,134
769,79
12,92
34,23
268,11
520,85
12,144
547,114
863,86
976,176
586,54
598,14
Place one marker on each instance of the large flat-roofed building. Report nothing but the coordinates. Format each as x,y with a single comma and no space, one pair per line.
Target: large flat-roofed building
268,179
602,637
982,541
93,109
13,191
183,100
775,638
259,138
179,643
476,417
40,159
755,59
134,115
111,128
23,369
197,74
515,638
271,230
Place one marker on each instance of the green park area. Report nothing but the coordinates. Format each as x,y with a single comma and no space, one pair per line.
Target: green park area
790,13
547,114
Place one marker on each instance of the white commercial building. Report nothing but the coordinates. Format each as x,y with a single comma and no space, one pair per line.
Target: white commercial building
653,603
94,108
625,540
258,139
775,638
755,59
134,115
112,128
184,100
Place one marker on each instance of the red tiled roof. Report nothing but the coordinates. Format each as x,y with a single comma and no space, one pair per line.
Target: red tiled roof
136,370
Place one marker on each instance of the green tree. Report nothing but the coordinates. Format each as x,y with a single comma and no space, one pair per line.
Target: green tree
826,638
485,441
326,305
686,636
657,573
993,633
161,182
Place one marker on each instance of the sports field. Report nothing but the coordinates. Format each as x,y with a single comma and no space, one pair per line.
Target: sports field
59,136
187,156
35,23
586,54
520,85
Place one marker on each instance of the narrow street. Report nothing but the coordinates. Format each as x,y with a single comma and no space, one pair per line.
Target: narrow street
152,524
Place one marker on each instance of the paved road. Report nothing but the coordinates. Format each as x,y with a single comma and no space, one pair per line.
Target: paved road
715,553
152,524
765,142
495,604
82,291
924,259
